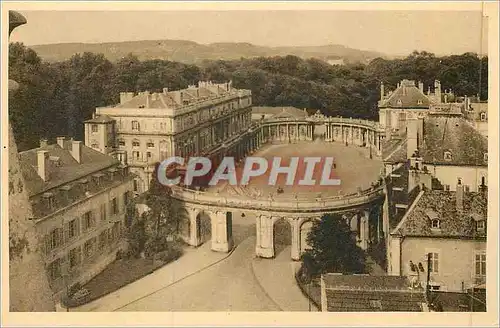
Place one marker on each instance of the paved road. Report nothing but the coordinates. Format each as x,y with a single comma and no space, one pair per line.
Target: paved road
227,286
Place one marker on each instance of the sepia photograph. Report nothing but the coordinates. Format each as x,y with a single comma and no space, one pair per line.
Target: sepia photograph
213,158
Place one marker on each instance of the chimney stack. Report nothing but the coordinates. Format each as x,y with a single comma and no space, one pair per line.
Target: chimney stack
382,91
44,143
460,195
178,97
412,128
76,150
125,97
437,90
42,164
60,141
148,99
421,86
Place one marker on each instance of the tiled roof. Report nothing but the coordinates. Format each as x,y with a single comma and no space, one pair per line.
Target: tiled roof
475,110
406,96
67,170
443,205
170,99
280,112
454,134
363,293
395,152
158,100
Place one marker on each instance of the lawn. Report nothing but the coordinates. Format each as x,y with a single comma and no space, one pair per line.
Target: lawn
117,275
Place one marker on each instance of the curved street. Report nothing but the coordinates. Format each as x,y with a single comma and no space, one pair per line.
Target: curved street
229,285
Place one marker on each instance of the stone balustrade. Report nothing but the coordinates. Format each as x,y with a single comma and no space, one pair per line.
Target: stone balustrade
320,204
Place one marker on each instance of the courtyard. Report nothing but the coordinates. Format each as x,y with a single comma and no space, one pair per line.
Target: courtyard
352,165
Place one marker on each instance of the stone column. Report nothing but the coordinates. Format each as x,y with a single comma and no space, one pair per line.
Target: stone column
364,231
265,240
221,239
193,229
295,239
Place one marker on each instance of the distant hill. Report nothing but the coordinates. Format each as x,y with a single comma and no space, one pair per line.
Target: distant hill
193,53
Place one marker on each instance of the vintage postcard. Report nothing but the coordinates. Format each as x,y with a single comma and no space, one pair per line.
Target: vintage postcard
250,163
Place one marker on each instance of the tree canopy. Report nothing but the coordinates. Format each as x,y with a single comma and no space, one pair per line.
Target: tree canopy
55,98
332,248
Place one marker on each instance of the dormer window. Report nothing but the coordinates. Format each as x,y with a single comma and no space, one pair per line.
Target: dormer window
84,183
56,160
399,102
435,224
65,190
98,178
447,156
483,116
481,225
112,172
48,198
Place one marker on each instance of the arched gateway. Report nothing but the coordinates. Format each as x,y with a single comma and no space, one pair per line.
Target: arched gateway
273,216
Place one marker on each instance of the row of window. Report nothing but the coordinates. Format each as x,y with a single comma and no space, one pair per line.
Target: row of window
137,143
139,156
72,229
77,255
480,225
434,264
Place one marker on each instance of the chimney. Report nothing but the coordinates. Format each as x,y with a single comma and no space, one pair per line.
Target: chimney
437,90
421,86
460,195
178,97
148,99
125,97
445,98
60,141
42,164
382,91
76,150
412,128
43,143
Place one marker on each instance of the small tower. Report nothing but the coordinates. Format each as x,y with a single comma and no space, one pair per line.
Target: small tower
100,134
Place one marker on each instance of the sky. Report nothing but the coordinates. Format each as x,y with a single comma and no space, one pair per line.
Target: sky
389,32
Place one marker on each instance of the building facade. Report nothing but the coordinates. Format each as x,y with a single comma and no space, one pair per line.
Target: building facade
79,199
204,120
451,227
449,148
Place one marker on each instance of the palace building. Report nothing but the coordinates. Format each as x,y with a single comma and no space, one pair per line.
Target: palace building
207,119
79,198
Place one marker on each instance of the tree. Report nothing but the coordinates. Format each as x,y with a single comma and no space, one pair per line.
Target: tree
333,249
